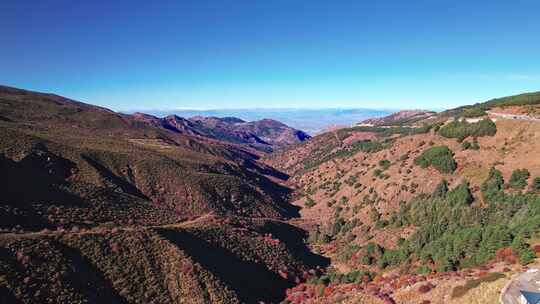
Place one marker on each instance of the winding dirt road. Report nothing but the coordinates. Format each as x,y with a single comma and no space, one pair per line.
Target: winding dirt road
512,116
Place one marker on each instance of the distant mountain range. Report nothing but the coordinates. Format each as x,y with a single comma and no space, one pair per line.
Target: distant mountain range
311,121
264,134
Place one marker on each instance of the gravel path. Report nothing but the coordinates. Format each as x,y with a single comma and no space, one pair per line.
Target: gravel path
512,116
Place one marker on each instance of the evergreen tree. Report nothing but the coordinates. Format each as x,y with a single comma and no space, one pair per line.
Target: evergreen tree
441,189
519,178
461,195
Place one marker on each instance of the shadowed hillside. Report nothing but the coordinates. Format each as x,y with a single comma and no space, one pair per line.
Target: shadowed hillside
101,207
73,153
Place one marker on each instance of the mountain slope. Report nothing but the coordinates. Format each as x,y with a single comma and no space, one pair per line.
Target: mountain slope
443,209
447,199
203,261
399,118
97,206
82,150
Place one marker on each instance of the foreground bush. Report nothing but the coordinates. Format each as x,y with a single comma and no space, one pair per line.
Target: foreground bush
519,178
441,158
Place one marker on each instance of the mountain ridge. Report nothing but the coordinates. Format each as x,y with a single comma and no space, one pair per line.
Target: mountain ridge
265,134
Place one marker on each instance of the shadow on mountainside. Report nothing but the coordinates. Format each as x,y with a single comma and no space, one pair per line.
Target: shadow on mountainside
108,175
252,282
266,170
294,239
279,194
7,297
36,179
80,278
88,279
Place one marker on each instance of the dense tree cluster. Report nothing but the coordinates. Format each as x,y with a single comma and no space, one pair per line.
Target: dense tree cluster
519,178
536,184
466,145
473,112
454,232
463,129
516,100
440,157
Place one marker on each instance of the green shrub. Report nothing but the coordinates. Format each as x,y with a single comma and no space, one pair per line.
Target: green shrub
357,277
519,178
335,277
535,186
441,158
466,145
345,253
526,256
473,112
371,253
392,257
384,164
351,180
460,195
423,270
493,185
462,129
310,202
337,226
441,189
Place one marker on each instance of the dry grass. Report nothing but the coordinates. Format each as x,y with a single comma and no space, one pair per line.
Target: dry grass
364,299
485,293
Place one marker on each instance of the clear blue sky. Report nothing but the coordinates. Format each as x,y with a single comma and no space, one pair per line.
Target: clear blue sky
272,53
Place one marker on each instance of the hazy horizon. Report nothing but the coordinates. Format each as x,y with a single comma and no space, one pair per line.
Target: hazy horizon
311,121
